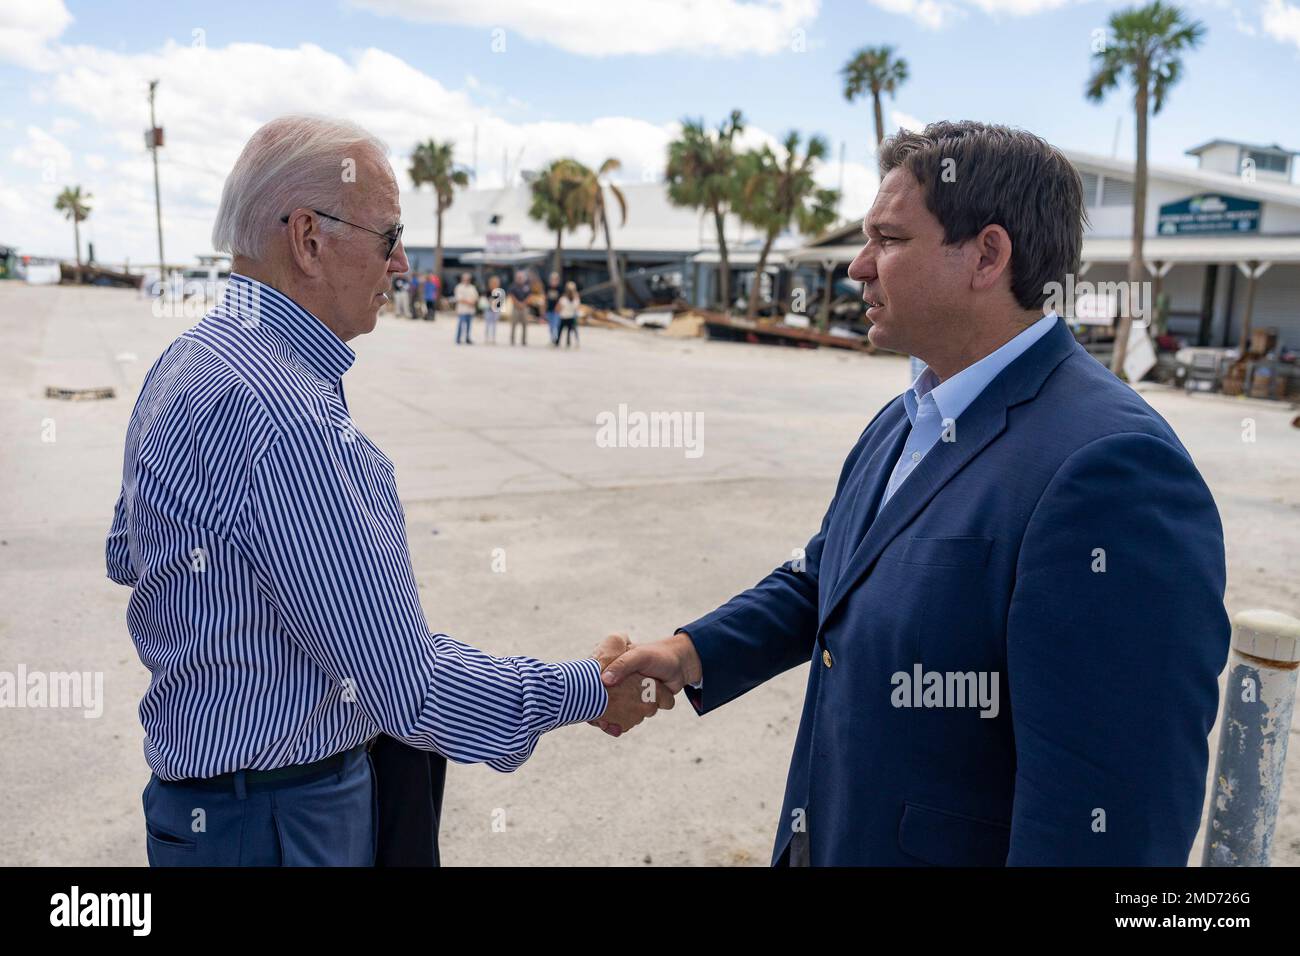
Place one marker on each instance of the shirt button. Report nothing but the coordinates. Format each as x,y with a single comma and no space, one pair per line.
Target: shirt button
916,456
826,658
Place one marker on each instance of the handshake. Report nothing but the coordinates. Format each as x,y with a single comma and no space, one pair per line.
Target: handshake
641,679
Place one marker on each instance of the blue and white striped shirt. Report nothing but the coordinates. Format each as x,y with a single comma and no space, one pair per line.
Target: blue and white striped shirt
274,601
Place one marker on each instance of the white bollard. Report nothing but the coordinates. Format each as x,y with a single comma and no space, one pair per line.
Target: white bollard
1258,702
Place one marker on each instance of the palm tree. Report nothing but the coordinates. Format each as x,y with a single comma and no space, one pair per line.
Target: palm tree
432,163
586,205
550,189
701,174
75,206
874,69
773,192
1143,48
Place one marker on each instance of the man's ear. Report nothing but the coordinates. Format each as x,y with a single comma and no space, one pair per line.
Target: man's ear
992,246
306,245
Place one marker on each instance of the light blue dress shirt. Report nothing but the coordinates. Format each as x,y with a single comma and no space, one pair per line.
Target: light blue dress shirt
934,407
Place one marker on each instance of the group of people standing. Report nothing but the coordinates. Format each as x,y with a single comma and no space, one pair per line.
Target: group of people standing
416,297
517,303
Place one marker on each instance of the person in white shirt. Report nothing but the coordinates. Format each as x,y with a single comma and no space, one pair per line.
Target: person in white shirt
466,297
567,310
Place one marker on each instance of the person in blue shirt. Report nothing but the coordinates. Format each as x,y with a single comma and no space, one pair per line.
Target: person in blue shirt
273,596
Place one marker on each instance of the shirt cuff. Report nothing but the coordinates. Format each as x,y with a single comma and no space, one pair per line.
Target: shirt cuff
585,697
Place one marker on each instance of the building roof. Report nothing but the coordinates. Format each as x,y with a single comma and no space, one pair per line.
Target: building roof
1275,148
1266,190
653,223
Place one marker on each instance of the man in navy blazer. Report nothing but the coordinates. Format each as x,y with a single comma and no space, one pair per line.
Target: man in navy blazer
1014,606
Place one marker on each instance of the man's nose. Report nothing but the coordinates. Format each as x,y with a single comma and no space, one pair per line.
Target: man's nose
397,261
863,266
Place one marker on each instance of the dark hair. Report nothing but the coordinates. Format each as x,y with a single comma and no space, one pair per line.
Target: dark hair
999,176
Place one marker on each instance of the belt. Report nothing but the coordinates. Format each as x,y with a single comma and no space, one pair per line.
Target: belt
236,780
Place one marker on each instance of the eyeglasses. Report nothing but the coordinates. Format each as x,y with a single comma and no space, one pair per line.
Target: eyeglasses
393,237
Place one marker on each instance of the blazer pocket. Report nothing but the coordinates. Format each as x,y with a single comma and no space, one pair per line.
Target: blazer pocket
952,839
948,552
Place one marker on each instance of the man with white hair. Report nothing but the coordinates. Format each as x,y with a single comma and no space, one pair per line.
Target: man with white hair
273,600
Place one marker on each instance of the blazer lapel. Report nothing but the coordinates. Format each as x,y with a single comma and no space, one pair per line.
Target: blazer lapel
867,483
979,424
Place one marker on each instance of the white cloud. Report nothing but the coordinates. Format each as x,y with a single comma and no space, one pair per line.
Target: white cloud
903,120
45,152
1017,8
1281,21
929,13
601,28
26,26
1241,24
936,14
210,100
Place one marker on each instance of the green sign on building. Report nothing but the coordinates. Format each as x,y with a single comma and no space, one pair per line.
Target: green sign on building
1208,213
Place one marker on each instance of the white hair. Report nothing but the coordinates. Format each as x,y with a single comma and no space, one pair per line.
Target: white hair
291,162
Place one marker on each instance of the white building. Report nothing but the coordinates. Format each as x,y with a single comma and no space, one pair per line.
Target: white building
657,237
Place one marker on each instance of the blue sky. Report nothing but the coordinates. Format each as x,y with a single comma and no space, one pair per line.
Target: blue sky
73,78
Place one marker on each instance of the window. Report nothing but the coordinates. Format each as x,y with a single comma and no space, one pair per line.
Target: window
1272,162
1090,182
1116,192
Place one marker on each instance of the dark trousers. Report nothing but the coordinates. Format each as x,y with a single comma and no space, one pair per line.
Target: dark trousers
410,785
329,820
569,328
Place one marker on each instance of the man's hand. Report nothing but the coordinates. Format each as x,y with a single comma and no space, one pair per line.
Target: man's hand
631,701
673,661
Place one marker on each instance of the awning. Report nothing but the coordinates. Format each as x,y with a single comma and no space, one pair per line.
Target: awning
820,255
1207,249
740,257
500,258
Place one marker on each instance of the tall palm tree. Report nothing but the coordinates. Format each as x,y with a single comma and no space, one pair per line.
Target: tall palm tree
701,174
1144,48
550,191
775,191
876,70
432,163
75,205
586,203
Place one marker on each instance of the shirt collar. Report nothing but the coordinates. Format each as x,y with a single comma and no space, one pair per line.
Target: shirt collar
257,303
954,395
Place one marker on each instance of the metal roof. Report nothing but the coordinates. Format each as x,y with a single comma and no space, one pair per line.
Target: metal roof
1274,148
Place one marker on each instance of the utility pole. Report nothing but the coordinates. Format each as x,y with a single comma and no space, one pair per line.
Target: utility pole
154,140
839,201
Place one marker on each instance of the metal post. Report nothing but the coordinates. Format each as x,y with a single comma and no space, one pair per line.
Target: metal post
1253,730
157,195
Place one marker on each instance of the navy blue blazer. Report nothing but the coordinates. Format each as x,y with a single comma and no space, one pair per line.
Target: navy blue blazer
1063,545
